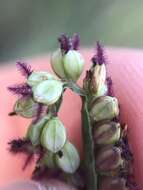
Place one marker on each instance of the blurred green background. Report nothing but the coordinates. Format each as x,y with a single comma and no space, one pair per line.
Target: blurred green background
31,27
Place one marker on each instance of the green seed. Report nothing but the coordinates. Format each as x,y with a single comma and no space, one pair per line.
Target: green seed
34,131
108,159
104,108
69,161
57,64
73,64
53,135
38,76
108,133
26,107
48,92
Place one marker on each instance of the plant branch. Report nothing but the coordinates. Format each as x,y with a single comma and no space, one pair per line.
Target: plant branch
88,145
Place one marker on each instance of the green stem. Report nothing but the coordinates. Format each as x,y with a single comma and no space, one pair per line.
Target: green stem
88,145
58,104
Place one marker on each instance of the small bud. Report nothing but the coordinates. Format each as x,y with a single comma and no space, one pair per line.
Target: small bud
35,129
108,159
105,107
53,135
57,64
73,64
112,183
69,162
26,107
67,66
48,92
108,133
97,83
38,76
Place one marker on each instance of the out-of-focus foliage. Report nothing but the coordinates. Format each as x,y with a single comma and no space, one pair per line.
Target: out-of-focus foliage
29,27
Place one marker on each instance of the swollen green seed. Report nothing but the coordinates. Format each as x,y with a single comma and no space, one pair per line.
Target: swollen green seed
69,161
38,76
103,108
26,107
108,159
53,135
48,92
57,63
108,133
34,131
73,64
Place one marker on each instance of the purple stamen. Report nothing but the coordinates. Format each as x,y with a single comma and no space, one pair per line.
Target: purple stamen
64,43
75,41
28,160
127,173
100,54
12,113
88,75
126,153
67,43
22,146
131,184
19,145
110,86
94,60
24,68
40,110
21,89
99,57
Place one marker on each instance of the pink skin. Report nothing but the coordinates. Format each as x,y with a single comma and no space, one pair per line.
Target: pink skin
31,185
126,69
22,185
